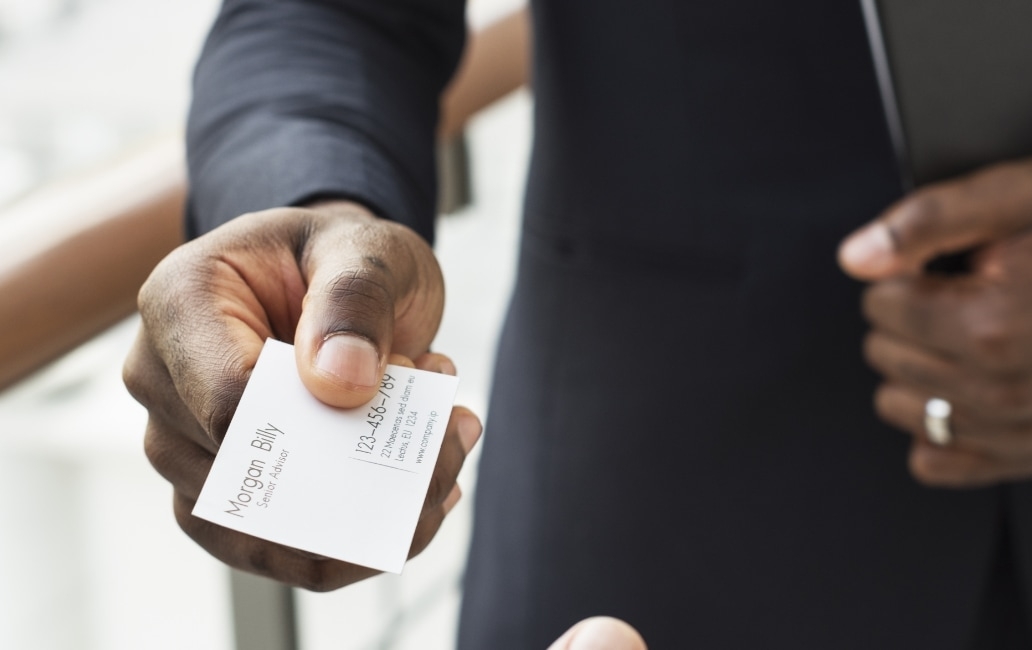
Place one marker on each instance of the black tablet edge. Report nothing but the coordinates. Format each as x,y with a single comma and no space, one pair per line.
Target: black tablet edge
890,101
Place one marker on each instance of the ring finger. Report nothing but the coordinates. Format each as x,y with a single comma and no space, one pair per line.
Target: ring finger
1007,400
904,407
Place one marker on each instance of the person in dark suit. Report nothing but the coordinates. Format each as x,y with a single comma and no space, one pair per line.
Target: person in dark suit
681,428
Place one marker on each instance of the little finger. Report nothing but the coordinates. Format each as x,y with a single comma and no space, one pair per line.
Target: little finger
953,467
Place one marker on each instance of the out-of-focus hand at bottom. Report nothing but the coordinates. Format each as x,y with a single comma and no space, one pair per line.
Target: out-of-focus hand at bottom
600,633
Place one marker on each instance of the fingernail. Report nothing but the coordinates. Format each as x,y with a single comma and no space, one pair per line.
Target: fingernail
469,432
869,251
349,359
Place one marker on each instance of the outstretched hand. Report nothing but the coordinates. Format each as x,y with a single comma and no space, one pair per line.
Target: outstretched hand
965,338
351,291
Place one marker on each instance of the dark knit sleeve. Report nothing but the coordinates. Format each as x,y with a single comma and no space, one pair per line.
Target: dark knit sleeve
302,99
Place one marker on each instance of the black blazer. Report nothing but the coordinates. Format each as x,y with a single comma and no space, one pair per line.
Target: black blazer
681,431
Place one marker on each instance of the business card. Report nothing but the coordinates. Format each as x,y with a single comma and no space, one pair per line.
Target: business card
348,484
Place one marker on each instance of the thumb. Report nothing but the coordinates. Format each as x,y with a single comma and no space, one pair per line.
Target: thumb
344,336
358,270
600,633
948,217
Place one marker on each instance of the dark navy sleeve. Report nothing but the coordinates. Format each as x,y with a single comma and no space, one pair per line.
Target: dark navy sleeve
302,99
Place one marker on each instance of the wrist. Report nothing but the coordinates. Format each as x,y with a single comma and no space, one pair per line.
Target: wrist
341,208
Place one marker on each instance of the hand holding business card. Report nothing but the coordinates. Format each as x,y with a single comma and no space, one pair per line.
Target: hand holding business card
347,484
312,275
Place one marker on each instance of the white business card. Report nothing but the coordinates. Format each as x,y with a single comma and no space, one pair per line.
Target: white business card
348,484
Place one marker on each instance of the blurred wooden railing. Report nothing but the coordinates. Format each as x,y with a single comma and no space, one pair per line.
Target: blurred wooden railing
74,253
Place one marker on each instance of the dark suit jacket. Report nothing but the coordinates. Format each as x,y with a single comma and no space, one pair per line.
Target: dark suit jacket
681,431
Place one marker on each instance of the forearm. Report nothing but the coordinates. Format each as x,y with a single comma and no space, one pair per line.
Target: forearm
302,100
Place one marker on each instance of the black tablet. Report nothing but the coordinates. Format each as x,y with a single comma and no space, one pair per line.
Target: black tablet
956,82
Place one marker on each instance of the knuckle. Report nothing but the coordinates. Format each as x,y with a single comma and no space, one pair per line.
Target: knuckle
963,474
912,370
890,305
151,290
950,470
364,284
133,377
1021,445
997,180
994,344
160,293
419,544
438,490
920,473
924,470
916,372
227,386
358,296
883,402
870,302
141,375
314,578
425,532
311,576
872,350
264,559
921,218
192,526
155,449
1006,397
257,559
188,526
316,586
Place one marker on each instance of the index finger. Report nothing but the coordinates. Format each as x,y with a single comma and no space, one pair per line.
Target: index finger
208,308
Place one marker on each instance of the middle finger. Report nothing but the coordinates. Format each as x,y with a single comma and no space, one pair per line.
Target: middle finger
989,397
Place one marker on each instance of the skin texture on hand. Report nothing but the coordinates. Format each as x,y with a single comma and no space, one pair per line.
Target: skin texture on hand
351,291
965,338
600,633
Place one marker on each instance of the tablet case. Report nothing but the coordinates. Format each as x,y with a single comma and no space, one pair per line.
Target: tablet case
956,82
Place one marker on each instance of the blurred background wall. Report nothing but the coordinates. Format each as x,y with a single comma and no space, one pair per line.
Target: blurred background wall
90,556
